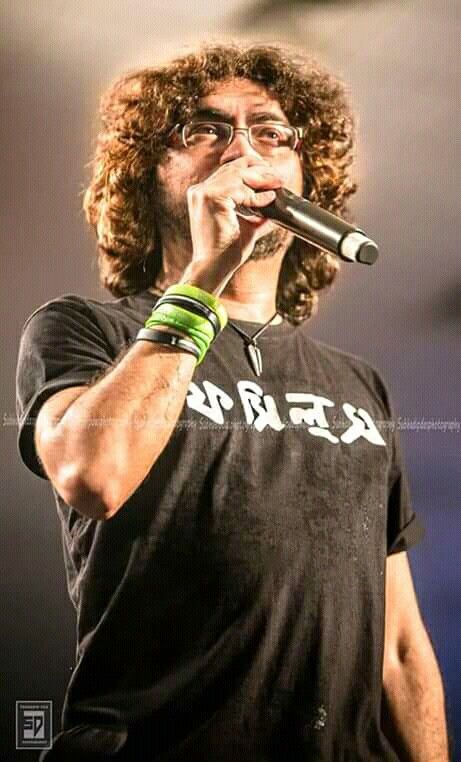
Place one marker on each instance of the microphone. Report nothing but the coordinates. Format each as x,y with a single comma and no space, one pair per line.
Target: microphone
317,226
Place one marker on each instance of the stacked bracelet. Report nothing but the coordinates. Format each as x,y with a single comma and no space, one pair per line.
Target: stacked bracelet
191,305
198,328
203,297
195,312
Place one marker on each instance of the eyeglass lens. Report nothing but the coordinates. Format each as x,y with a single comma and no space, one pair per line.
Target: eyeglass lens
265,137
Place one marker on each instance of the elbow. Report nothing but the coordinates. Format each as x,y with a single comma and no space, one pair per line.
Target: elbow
407,657
81,485
80,492
395,659
392,667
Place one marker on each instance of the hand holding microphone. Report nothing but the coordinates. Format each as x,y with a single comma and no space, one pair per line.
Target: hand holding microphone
317,226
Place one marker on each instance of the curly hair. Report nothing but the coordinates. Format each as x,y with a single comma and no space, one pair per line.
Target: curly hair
141,108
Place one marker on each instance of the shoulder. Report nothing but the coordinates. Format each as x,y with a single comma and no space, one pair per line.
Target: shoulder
63,309
115,320
66,331
347,361
67,304
354,371
78,329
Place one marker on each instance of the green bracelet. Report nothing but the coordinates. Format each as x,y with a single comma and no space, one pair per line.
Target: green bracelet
197,327
199,339
211,301
188,319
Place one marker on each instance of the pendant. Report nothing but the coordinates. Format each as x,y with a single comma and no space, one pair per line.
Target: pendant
253,354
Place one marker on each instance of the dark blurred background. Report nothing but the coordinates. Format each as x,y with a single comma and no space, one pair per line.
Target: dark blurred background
402,65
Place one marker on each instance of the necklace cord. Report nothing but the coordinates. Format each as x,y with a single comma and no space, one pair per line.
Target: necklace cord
251,347
246,336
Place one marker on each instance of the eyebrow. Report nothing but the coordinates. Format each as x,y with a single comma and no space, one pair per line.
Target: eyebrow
217,114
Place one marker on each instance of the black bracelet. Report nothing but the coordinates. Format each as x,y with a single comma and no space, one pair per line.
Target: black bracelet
192,305
171,339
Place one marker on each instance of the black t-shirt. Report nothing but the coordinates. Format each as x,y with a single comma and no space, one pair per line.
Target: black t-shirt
234,607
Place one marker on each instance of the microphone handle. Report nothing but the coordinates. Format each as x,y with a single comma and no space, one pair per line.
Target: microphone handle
317,226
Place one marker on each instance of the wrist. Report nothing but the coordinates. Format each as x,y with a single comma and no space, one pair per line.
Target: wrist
171,329
206,276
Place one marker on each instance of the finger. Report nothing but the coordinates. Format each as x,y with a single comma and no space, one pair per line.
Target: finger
260,178
263,198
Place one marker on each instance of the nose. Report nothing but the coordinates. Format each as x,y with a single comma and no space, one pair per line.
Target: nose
239,146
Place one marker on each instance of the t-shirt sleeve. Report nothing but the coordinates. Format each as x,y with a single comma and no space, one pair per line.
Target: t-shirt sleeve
404,529
61,345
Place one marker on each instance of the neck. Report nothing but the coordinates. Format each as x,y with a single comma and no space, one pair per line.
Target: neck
251,292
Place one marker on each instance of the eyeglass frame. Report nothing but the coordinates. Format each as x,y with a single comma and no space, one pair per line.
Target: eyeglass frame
298,130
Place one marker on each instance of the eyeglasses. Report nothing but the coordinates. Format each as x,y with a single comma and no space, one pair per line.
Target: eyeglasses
268,138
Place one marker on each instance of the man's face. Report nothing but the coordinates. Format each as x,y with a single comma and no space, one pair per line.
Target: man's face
239,102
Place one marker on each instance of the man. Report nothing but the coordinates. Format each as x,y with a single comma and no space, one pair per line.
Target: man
235,511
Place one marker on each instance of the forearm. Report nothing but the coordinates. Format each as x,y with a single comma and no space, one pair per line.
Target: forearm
109,438
413,707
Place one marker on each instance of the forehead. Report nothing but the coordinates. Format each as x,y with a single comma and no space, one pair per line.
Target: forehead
240,95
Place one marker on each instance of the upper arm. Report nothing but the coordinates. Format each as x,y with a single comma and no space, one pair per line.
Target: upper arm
404,628
62,349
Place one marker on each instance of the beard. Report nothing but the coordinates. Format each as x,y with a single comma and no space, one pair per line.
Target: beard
172,216
274,242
